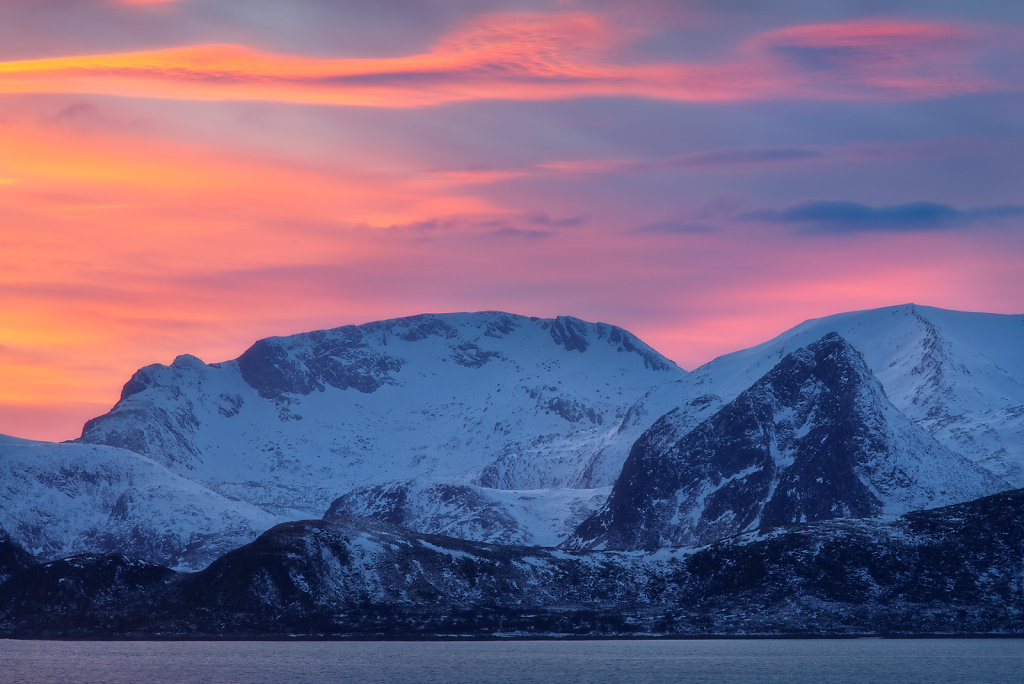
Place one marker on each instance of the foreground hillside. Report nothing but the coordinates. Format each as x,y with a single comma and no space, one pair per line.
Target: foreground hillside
954,570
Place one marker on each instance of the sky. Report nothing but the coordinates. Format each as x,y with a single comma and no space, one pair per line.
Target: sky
188,176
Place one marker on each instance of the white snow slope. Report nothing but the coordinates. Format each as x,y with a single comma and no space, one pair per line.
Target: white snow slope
489,399
61,499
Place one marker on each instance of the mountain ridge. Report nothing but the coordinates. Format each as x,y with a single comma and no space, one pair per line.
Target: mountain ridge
527,418
957,374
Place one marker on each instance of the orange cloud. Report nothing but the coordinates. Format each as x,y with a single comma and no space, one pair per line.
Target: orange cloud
531,57
112,244
119,247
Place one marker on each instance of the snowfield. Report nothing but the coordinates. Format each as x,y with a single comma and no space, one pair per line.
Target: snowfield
62,499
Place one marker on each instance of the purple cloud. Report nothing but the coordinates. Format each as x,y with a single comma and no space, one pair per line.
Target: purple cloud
853,217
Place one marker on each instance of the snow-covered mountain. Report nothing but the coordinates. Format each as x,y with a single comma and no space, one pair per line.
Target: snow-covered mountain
490,399
959,375
486,426
815,438
61,499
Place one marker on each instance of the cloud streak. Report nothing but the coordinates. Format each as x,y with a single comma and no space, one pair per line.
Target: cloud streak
917,59
672,228
853,217
751,156
538,57
724,158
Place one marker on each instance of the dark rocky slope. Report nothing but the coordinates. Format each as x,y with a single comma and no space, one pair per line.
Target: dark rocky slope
954,570
13,558
89,595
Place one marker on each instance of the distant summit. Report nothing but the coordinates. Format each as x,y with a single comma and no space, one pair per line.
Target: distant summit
959,375
814,439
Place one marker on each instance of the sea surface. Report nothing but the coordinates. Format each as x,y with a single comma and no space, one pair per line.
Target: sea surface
718,661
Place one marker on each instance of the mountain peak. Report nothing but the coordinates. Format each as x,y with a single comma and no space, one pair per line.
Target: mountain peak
831,341
832,360
184,361
957,374
814,438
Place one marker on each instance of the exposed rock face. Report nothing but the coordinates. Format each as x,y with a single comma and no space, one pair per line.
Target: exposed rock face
959,375
815,438
13,558
340,359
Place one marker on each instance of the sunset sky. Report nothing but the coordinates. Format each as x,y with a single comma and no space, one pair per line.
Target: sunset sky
192,175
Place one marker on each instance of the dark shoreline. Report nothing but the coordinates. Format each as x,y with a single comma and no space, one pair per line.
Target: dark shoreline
493,638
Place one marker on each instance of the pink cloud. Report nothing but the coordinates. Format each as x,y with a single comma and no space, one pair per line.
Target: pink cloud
537,57
134,230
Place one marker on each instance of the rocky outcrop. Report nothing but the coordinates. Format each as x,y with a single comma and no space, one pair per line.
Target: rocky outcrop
814,439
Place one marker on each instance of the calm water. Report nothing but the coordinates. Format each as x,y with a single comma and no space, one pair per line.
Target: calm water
721,662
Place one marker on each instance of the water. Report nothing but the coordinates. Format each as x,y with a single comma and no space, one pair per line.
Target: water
717,661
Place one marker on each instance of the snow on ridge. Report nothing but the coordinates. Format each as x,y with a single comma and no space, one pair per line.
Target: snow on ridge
542,517
571,333
959,375
491,400
813,438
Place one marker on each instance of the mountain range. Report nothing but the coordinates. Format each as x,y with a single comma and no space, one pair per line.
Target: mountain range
440,460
